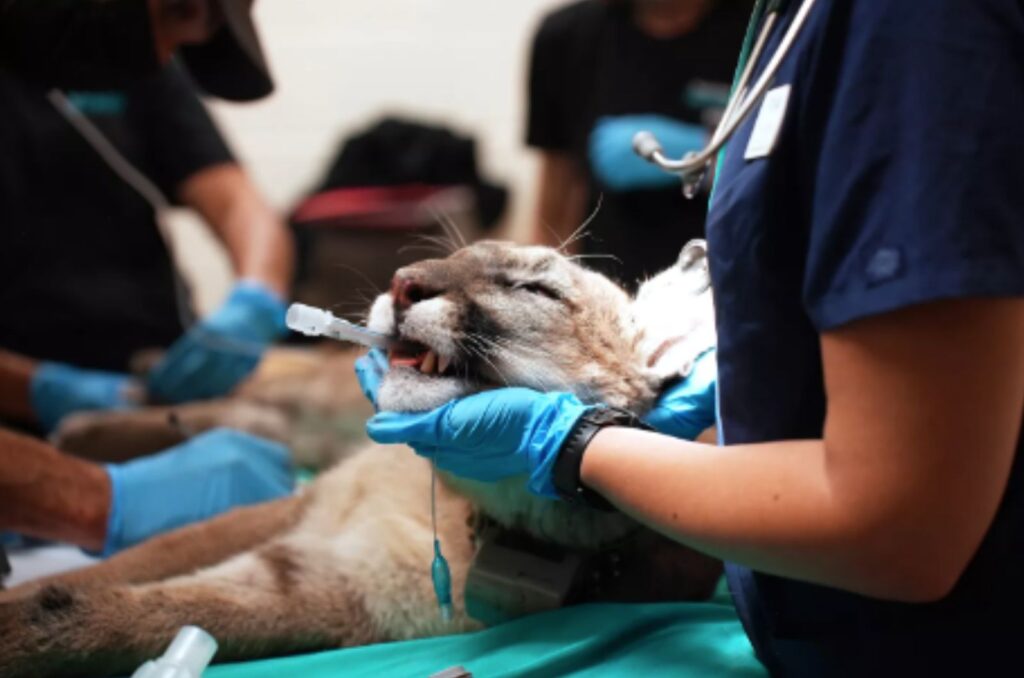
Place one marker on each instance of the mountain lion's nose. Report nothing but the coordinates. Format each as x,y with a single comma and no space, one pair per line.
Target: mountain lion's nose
407,290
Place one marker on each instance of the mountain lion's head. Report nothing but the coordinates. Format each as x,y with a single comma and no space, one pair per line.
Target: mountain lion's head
494,314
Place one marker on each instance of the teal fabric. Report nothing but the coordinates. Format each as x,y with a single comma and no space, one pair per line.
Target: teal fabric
677,639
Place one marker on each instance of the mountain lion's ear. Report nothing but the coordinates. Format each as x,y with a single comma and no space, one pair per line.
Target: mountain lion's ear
675,313
693,262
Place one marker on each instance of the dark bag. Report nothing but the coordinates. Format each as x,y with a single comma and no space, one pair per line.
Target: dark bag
392,196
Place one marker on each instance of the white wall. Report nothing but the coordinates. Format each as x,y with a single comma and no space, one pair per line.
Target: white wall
340,63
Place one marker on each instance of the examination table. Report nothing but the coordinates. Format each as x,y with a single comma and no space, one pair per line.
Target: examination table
685,640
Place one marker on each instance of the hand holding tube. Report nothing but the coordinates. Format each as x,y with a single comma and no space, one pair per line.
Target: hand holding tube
370,370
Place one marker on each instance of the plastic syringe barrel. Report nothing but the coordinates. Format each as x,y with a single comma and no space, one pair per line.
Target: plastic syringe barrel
187,656
192,648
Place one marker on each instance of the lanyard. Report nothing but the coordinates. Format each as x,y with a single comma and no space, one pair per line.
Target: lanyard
748,44
747,94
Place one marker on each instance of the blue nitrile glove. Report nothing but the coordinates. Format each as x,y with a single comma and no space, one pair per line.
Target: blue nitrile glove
489,436
216,354
207,475
618,168
57,390
688,408
370,369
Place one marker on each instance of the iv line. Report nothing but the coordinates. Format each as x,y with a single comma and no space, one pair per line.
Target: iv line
439,571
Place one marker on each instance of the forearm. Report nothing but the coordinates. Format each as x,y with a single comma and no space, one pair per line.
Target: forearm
50,495
258,243
774,507
561,201
260,246
16,387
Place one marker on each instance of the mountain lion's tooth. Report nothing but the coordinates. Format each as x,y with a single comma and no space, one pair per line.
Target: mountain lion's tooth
429,363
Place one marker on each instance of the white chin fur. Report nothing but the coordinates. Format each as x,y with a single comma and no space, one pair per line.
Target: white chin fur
407,390
382,315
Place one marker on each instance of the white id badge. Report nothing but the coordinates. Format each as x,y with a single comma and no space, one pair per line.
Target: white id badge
768,123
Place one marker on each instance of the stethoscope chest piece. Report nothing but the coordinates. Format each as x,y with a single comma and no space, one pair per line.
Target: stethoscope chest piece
693,167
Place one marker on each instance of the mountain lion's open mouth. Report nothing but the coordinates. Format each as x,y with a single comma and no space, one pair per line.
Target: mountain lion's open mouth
420,357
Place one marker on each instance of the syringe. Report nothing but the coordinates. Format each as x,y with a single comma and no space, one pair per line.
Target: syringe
316,322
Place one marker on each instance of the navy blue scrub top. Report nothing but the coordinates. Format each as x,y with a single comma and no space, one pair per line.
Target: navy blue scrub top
897,179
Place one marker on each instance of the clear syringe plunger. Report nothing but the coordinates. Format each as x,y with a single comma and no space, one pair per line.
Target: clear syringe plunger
316,322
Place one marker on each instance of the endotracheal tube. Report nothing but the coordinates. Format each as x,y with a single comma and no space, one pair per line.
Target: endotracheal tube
439,567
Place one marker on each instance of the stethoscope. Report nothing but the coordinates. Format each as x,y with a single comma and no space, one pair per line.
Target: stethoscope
692,167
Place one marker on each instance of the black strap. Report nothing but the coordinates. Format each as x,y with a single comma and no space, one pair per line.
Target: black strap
565,475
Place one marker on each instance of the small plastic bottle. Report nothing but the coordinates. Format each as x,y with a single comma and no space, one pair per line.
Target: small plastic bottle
187,657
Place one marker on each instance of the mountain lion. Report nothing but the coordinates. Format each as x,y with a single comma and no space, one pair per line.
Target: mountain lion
346,561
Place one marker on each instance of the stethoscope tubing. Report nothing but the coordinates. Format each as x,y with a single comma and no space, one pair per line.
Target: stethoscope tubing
692,166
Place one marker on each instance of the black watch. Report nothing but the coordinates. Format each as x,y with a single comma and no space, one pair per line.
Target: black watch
565,475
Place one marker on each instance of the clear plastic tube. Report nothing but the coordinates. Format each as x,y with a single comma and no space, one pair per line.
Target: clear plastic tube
316,322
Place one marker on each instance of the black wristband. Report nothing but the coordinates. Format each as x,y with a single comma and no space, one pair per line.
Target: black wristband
565,474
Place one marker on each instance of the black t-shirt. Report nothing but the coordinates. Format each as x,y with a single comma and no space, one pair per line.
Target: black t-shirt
85,276
590,60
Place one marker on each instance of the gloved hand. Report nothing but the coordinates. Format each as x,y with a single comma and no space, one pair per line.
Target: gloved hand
57,390
207,475
215,355
688,408
370,369
490,435
618,168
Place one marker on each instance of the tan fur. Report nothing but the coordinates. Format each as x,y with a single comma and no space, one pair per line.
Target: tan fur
347,561
184,550
306,399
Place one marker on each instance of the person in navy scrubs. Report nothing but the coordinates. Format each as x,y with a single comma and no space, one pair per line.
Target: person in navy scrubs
868,268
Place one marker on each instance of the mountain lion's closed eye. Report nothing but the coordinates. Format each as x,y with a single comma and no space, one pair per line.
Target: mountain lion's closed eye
346,562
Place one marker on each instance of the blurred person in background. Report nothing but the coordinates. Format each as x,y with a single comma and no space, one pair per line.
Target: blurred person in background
111,43
87,278
83,255
600,71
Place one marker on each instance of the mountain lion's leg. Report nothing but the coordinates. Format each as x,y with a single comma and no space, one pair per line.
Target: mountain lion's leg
182,551
288,596
122,435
